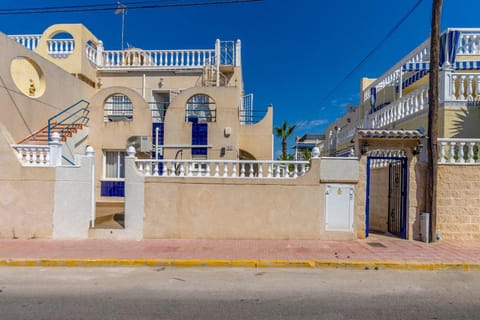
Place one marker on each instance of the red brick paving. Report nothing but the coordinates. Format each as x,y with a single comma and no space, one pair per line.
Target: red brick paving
356,250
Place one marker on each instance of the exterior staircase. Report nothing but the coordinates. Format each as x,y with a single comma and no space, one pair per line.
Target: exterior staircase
70,122
41,136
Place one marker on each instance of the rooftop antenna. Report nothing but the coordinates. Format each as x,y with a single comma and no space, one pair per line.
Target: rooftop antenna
121,8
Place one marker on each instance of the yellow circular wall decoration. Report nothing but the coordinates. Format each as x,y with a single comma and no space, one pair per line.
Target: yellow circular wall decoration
27,76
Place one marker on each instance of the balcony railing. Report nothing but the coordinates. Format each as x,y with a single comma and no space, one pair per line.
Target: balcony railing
257,169
60,48
458,151
465,86
414,102
224,53
166,59
392,76
29,41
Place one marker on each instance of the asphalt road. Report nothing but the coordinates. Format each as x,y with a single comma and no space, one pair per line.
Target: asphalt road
236,293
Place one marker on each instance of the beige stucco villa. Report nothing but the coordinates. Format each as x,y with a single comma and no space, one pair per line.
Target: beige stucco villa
136,143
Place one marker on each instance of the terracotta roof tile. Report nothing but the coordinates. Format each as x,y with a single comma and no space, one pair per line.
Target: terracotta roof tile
394,133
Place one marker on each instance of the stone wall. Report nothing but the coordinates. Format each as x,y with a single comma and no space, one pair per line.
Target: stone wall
458,202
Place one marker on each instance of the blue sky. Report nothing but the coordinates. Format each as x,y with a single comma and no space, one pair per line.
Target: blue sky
294,53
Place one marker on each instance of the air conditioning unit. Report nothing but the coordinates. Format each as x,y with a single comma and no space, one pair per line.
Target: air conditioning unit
140,143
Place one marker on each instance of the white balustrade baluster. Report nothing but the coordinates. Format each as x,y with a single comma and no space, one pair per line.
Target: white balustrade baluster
242,170
160,59
41,156
260,170
454,87
190,169
148,171
452,152
269,170
250,171
470,88
140,167
442,156
208,169
34,156
20,154
225,169
461,158
477,87
295,174
217,169
155,170
471,147
461,88
277,171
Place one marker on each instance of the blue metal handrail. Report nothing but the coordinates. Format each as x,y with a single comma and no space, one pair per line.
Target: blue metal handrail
82,119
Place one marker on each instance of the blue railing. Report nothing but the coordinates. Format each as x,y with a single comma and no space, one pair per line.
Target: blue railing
249,117
72,116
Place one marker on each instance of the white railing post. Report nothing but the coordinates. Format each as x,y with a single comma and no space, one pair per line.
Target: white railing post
441,156
217,59
238,53
99,58
55,150
471,146
90,153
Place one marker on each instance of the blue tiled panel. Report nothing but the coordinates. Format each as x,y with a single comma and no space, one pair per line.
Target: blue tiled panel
199,137
113,188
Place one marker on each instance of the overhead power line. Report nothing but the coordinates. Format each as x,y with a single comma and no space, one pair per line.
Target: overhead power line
107,7
378,46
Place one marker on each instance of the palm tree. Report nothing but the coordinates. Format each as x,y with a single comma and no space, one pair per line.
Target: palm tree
284,132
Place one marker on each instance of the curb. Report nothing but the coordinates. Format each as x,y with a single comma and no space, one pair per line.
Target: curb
249,263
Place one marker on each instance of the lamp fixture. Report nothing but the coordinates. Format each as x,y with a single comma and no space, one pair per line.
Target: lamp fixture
416,150
365,147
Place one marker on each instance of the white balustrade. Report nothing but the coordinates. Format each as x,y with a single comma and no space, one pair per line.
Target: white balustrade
253,169
414,102
156,58
465,86
60,48
392,76
33,155
91,52
469,43
29,41
458,151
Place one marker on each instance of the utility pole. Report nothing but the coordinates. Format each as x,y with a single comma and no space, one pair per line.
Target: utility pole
433,98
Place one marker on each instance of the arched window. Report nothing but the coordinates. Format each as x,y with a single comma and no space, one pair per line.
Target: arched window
200,108
118,107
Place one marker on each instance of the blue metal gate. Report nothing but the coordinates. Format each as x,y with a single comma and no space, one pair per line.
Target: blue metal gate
397,194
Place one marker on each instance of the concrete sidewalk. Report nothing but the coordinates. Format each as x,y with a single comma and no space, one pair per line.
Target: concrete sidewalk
376,252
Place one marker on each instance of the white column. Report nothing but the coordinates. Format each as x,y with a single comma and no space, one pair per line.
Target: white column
55,150
238,53
99,58
217,60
